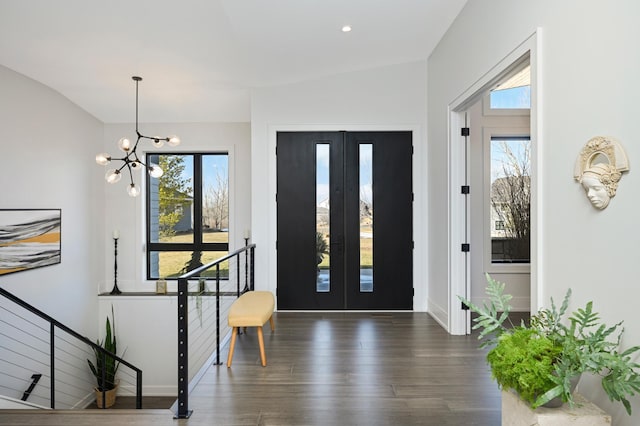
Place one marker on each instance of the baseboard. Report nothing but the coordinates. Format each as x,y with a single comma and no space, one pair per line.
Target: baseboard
8,403
439,314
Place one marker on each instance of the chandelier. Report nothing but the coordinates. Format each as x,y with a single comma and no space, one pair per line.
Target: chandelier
131,161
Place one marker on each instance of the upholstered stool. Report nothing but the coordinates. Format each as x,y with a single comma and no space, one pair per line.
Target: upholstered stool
252,309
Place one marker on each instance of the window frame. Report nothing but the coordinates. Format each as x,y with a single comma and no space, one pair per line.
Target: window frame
488,134
198,244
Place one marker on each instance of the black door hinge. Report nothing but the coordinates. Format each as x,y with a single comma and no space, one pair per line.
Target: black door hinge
465,247
464,131
464,189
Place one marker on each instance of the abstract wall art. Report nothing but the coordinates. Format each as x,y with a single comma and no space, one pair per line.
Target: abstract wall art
29,238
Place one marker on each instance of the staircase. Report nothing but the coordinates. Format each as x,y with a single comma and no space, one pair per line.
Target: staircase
43,363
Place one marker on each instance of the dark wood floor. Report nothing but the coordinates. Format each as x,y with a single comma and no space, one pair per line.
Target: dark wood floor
334,369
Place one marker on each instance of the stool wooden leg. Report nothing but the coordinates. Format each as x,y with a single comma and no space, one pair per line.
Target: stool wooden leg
273,325
263,357
232,345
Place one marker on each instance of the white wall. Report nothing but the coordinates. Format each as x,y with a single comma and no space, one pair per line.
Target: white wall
388,98
126,214
588,80
46,161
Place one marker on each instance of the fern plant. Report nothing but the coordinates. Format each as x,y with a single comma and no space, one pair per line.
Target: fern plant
540,361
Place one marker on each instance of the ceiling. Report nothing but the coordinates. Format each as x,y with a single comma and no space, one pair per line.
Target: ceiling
199,59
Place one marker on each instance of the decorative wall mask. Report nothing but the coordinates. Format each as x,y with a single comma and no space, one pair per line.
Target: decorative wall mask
599,169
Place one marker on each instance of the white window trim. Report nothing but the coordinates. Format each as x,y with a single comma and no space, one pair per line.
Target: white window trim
495,268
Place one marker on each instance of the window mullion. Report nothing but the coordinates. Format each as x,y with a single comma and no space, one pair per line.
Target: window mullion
197,201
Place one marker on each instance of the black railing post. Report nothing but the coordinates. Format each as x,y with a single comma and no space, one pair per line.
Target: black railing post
253,266
218,360
246,271
139,389
52,331
183,351
238,275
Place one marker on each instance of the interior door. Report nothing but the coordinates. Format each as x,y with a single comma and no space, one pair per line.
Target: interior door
344,238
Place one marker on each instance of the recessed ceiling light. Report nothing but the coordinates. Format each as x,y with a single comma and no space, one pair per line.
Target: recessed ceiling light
346,28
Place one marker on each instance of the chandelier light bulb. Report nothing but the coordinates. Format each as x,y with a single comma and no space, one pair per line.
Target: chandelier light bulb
113,176
155,171
158,142
124,144
103,159
173,140
135,165
133,190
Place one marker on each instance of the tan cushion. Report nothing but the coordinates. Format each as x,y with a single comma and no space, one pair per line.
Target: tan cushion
252,309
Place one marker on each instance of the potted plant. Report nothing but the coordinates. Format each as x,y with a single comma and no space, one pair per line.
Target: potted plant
542,361
106,384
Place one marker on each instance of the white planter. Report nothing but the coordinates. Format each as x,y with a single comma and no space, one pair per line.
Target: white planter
516,412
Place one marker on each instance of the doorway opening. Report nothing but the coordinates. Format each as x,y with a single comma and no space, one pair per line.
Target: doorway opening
461,217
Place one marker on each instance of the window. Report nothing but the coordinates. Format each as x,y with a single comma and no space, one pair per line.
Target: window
510,199
187,213
512,96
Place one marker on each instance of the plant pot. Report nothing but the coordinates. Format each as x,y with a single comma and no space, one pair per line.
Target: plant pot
557,401
109,398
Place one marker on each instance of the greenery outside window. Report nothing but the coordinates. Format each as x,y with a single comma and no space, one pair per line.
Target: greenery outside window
187,213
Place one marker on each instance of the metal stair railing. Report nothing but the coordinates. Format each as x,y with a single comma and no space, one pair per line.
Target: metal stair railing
32,340
233,275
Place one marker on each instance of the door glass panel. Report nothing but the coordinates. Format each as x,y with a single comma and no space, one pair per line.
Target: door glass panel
510,200
323,280
366,217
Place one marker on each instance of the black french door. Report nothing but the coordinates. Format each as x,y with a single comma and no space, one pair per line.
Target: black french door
344,238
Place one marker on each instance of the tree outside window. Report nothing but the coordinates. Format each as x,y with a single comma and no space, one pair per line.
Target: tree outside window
510,199
187,213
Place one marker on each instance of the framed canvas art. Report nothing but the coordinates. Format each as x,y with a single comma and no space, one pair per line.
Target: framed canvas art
29,239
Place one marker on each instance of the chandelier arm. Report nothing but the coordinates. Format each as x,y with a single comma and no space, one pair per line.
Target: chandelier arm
153,138
130,174
135,154
122,167
133,150
137,80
